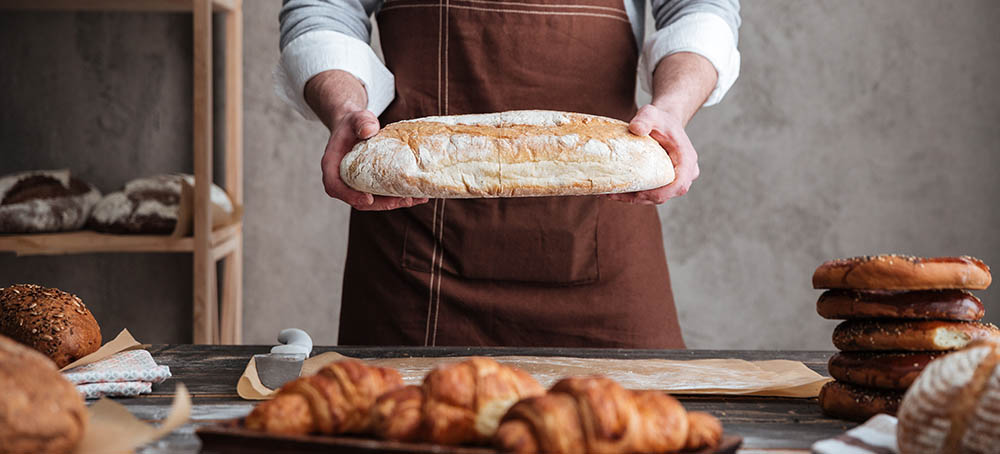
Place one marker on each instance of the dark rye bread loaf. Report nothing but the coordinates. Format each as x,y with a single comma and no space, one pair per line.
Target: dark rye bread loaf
49,320
158,205
903,272
44,201
920,304
40,411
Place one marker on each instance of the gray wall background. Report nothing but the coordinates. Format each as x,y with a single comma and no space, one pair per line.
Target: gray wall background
856,127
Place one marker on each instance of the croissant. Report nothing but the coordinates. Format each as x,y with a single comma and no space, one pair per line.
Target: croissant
336,400
597,415
456,404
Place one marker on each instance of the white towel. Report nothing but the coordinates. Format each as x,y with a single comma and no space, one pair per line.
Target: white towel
875,436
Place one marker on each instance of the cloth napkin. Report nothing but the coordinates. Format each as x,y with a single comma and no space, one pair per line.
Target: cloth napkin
127,373
875,436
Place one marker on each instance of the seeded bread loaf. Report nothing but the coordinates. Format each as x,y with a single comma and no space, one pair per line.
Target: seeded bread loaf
40,411
508,154
44,201
49,320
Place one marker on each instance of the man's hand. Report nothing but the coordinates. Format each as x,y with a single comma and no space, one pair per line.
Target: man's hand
338,99
348,131
668,130
681,84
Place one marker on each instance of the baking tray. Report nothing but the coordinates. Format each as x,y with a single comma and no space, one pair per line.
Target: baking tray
232,437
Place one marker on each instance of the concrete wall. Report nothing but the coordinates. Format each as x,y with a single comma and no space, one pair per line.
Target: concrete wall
856,127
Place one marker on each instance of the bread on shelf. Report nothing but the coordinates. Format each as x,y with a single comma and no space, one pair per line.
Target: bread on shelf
44,201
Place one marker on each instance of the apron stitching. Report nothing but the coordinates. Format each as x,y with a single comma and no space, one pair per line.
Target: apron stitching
534,5
554,13
447,21
437,307
440,32
430,294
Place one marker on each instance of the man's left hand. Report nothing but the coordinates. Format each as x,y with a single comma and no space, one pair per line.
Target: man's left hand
667,129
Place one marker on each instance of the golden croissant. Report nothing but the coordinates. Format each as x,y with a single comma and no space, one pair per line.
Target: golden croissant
336,400
457,403
597,415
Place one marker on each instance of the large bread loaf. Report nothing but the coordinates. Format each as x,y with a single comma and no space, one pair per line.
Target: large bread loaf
954,406
523,153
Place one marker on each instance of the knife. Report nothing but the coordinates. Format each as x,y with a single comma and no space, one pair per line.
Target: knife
284,363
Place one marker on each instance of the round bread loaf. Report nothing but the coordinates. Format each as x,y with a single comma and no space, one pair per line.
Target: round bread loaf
522,153
856,403
954,406
156,206
919,304
44,201
901,272
909,335
40,411
883,370
49,320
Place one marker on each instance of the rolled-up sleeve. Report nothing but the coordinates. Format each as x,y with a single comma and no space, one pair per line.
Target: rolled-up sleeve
322,35
709,28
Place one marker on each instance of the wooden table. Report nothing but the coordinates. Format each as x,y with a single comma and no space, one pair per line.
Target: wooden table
210,372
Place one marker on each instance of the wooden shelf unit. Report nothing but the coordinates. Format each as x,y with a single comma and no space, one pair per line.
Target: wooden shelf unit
212,324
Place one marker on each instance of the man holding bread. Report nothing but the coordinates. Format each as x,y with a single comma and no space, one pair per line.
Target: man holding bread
585,271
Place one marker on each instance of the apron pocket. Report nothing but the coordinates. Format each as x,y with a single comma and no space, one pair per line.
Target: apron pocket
546,241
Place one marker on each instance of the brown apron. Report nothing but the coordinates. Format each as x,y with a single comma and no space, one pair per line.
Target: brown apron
554,271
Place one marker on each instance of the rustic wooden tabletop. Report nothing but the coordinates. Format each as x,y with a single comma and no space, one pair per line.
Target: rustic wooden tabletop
767,424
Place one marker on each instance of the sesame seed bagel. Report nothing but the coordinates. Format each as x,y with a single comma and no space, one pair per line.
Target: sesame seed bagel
901,272
856,403
883,370
524,153
49,320
909,335
840,304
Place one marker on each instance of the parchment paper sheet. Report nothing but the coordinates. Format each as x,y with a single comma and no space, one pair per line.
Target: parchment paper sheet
113,430
779,378
122,342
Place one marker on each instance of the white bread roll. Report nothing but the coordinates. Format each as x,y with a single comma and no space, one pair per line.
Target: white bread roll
523,153
954,405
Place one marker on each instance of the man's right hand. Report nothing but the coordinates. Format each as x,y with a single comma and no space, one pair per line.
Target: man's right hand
348,131
337,98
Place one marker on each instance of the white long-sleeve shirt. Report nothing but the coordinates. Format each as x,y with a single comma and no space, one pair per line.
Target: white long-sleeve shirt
321,35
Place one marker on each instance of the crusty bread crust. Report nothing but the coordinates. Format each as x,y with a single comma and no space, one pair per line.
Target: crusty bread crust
883,370
901,272
855,403
954,405
49,320
508,154
842,304
40,411
909,335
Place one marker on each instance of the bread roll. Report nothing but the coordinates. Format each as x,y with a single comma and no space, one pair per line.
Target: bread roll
909,335
49,320
508,154
883,370
40,411
921,304
856,403
44,201
954,406
902,272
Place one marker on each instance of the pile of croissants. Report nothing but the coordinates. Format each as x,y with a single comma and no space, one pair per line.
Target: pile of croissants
480,401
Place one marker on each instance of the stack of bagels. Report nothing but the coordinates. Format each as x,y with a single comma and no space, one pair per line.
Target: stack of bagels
900,313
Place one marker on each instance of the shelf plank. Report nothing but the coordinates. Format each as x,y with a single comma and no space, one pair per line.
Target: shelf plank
85,241
176,6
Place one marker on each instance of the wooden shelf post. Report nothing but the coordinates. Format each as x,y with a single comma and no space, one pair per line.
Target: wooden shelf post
205,296
232,288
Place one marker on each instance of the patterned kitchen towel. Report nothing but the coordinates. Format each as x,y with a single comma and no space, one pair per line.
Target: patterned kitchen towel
114,389
875,436
127,373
